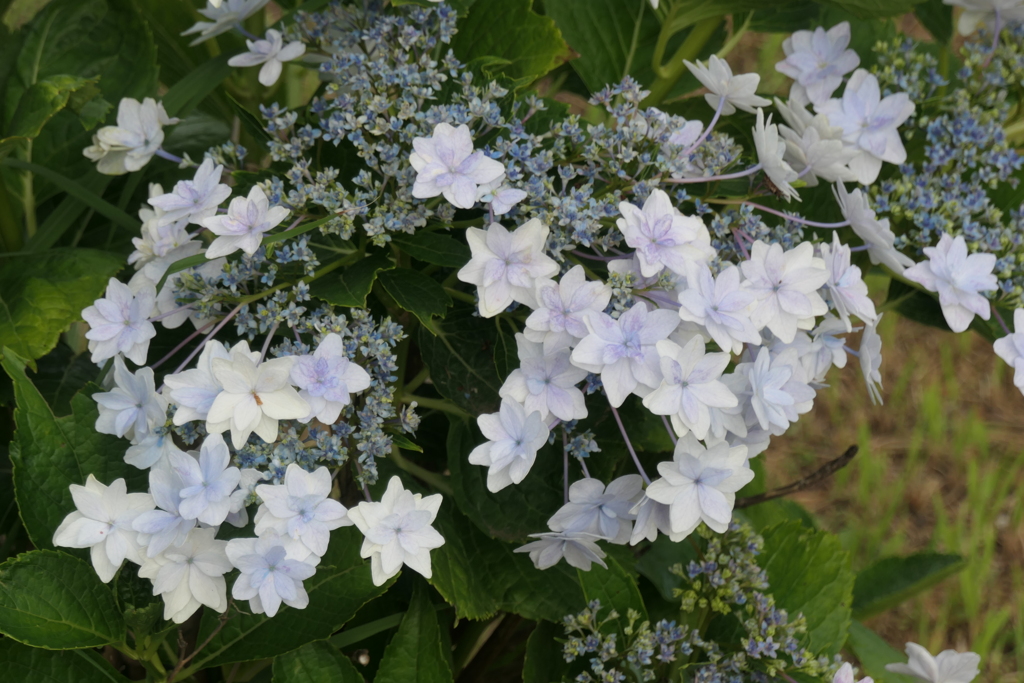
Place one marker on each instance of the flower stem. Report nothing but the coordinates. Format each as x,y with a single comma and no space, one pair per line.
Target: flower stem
565,467
671,432
775,212
436,404
707,131
438,481
163,154
999,319
668,75
629,444
711,179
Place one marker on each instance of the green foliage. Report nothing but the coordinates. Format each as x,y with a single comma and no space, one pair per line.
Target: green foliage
318,662
873,653
544,662
430,247
659,558
937,17
21,663
615,588
415,292
414,655
45,98
876,9
55,601
893,580
40,297
50,453
351,287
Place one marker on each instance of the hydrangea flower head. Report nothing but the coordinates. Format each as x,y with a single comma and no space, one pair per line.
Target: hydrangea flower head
193,200
1011,348
721,305
578,548
271,574
223,15
958,277
208,481
662,236
327,378
983,13
786,286
301,508
560,316
770,153
602,511
447,165
190,575
949,666
132,407
546,382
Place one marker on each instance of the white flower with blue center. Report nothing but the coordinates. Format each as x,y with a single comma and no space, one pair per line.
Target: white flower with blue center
301,508
119,322
132,407
513,439
327,378
949,666
662,236
958,277
271,573
193,200
208,481
546,382
243,226
817,61
446,164
190,575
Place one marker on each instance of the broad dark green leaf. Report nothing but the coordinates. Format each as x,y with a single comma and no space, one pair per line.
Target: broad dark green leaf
41,296
69,210
659,558
461,360
318,662
937,17
615,588
55,601
774,512
431,247
414,655
511,30
873,653
876,9
50,453
415,292
353,284
42,101
893,580
20,12
544,662
341,585
810,574
34,665
196,133
506,353
61,374
143,611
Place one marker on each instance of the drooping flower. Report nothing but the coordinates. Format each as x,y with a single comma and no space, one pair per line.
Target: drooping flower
224,15
193,200
958,277
326,378
770,153
154,450
398,531
662,236
513,439
301,508
446,164
190,575
247,219
599,510
785,284
103,523
652,518
271,52
119,323
876,234
159,237
623,351
871,360
949,666
721,304
818,60
546,382
579,549
1011,348
208,482
271,573
738,91
132,407
560,317
506,265
130,144
978,13
846,287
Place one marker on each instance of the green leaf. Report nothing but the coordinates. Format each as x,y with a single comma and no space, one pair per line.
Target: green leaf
56,601
414,655
937,17
873,653
430,247
341,585
893,580
31,664
415,292
351,287
810,574
318,662
461,360
66,214
190,91
876,9
615,588
544,661
42,101
511,30
41,296
506,353
50,453
404,443
20,12
659,558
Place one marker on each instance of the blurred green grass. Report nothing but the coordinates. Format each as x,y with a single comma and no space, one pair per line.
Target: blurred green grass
941,467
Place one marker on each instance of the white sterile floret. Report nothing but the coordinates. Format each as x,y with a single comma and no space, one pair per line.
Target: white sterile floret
870,123
815,149
506,265
662,236
1011,348
193,391
818,60
164,527
272,53
103,523
501,198
224,15
247,219
871,360
159,237
132,407
579,549
301,508
786,286
773,393
846,287
832,345
254,397
119,323
172,313
986,13
623,351
446,164
271,573
238,516
326,378
130,144
513,439
845,675
652,518
700,485
190,575
599,510
208,481
398,531
770,153
877,236
958,277
154,450
691,384
720,304
949,666
560,316
546,382
193,200
738,91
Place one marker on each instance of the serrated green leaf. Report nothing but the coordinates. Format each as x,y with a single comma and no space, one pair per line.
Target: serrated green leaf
318,662
41,296
810,574
20,12
415,292
431,247
873,653
341,585
34,665
50,453
55,601
353,284
893,580
403,442
615,588
511,30
42,101
414,655
544,661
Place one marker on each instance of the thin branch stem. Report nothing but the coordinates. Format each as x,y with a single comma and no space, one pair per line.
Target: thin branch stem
629,444
668,428
715,178
812,479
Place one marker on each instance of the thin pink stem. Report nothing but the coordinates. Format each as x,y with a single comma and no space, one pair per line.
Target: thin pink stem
170,313
671,432
177,348
795,219
629,444
266,342
220,325
714,178
707,131
999,319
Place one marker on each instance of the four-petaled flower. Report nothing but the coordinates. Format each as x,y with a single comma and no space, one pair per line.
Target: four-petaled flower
446,164
579,549
132,407
560,318
208,482
817,61
130,144
193,200
546,382
737,91
786,286
271,573
721,305
326,378
271,52
190,575
599,510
